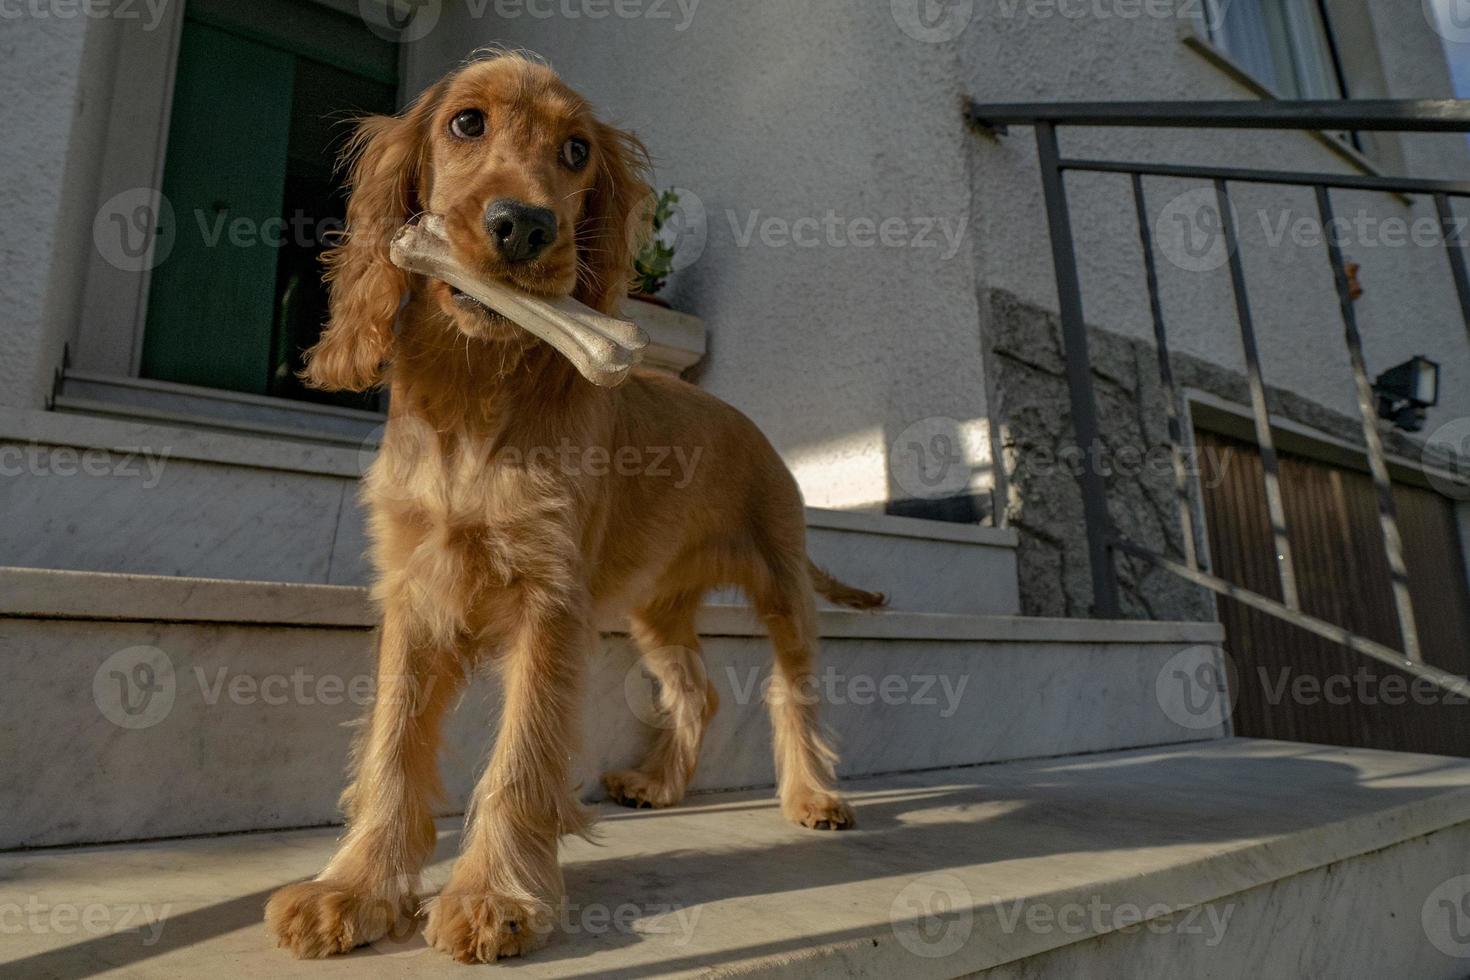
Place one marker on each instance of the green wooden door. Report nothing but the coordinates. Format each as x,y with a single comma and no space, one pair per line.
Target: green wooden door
211,301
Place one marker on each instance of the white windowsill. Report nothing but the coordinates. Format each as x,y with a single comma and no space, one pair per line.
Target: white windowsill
112,408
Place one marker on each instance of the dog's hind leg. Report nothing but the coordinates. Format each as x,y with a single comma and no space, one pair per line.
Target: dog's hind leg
805,761
664,634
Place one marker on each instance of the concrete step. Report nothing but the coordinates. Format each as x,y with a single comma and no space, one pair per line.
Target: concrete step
1234,858
140,707
91,494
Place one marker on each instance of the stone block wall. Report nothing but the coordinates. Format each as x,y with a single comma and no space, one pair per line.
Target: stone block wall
1039,493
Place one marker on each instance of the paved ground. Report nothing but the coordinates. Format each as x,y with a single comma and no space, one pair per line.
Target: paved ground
928,886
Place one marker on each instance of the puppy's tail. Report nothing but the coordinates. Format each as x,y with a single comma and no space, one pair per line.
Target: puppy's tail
842,593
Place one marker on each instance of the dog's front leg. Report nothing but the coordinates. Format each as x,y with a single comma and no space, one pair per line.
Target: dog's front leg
370,883
506,889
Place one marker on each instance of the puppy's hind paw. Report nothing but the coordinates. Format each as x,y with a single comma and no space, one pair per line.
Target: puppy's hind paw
820,811
637,789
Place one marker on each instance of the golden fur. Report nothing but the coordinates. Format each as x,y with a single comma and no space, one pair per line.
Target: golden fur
511,503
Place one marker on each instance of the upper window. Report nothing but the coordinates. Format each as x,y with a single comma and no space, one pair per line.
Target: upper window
261,100
1287,44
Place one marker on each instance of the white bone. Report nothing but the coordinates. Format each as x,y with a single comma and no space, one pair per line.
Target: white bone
602,348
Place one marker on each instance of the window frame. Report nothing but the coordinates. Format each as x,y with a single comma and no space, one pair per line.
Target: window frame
1334,66
105,347
1372,153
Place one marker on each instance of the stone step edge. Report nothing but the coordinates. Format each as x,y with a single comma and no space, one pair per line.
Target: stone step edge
32,593
1190,882
1187,881
304,456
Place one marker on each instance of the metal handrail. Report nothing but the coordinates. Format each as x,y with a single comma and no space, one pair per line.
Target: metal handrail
1423,116
1237,175
1395,115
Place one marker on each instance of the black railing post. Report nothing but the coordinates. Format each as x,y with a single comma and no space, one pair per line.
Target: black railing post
1388,517
1260,402
1454,246
1172,410
1105,603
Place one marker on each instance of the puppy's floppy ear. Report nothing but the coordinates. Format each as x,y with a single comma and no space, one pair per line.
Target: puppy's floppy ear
388,157
616,221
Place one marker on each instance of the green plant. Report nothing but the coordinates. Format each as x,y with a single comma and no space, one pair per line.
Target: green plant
652,265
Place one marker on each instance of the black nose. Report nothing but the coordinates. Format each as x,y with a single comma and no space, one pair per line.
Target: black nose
521,232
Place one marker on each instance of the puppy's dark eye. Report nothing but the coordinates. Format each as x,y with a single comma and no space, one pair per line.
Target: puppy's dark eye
574,153
468,125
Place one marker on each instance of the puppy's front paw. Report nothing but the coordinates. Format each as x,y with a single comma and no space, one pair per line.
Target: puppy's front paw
632,787
480,926
820,811
314,919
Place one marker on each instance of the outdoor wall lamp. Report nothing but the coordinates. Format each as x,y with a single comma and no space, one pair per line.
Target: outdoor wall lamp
1405,391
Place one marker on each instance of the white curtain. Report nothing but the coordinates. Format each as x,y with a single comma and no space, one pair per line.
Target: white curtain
1316,77
1281,42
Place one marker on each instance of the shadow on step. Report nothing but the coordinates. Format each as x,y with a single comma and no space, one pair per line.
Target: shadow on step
989,821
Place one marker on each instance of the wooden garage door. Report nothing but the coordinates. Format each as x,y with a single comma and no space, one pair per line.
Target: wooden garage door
1294,685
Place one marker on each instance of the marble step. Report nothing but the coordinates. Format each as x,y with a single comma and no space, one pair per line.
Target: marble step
140,707
94,492
1233,858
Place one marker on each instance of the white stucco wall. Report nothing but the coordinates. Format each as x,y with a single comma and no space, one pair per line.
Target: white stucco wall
791,110
787,111
55,72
